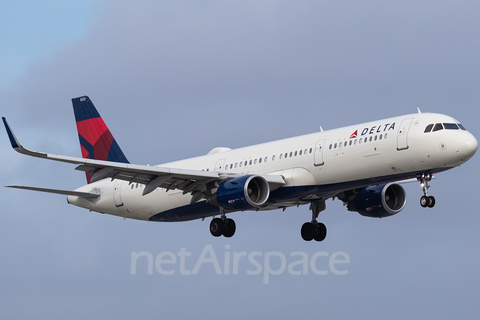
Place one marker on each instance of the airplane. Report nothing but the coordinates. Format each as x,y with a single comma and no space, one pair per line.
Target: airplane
362,165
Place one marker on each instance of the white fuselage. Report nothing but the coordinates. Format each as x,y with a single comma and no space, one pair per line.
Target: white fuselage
314,166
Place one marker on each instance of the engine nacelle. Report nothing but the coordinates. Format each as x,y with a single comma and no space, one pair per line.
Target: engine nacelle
379,201
244,193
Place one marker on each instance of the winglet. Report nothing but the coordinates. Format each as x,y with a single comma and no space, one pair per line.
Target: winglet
17,146
11,135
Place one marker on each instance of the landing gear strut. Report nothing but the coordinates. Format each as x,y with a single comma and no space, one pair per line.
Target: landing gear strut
222,226
426,200
314,230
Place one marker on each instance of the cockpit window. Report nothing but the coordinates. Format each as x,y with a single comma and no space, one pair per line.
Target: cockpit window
461,127
437,127
429,128
450,126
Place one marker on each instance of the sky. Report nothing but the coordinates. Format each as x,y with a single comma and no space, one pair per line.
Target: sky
174,79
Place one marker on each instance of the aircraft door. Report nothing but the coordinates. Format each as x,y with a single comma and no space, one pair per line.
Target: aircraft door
402,136
219,165
319,152
117,190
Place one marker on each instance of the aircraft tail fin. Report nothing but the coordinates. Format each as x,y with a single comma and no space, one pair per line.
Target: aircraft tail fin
96,141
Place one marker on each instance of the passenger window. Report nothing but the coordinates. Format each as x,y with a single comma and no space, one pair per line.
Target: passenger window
250,162
295,153
360,141
236,165
386,134
330,147
375,137
260,160
438,127
266,158
286,155
450,126
371,138
350,143
428,128
246,162
208,169
365,140
290,154
255,162
345,144
335,146
380,137
355,142
281,156
241,164
131,187
301,151
273,158
232,166
305,152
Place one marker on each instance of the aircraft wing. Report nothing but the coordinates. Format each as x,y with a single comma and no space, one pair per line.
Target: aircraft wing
195,181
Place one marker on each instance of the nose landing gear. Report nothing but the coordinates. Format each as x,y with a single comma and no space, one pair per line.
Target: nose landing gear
426,200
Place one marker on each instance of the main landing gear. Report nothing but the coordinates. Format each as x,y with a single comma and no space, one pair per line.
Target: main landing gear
426,200
315,230
222,226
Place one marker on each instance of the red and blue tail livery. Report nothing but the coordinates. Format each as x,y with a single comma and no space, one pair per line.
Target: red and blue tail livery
96,141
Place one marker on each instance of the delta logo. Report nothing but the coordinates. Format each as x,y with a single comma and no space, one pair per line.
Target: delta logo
374,129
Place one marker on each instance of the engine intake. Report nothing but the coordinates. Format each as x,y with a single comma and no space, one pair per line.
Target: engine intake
244,193
379,201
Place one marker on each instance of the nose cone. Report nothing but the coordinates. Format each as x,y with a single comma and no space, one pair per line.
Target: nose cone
465,145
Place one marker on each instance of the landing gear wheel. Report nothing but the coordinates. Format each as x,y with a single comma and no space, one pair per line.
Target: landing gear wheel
217,227
229,228
308,231
321,232
424,201
431,202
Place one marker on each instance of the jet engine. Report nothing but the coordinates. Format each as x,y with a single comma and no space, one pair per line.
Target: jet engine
379,201
244,193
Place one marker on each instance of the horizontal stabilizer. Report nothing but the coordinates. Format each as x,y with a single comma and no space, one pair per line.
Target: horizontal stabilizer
56,191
